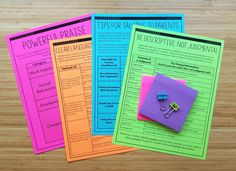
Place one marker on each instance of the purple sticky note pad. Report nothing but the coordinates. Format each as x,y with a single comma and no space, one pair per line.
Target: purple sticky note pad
181,94
145,86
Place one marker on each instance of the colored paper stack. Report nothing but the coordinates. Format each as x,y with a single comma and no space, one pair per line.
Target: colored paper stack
104,84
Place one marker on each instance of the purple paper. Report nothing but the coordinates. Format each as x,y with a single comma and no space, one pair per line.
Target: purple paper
183,95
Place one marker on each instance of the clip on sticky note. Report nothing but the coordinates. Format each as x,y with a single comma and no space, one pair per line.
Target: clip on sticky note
162,96
181,98
147,81
174,107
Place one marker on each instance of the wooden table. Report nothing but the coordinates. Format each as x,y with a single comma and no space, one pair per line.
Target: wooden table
213,18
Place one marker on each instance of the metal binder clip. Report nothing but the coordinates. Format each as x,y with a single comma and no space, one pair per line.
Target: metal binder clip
162,96
174,107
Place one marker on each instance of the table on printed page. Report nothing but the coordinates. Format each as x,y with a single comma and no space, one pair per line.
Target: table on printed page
211,18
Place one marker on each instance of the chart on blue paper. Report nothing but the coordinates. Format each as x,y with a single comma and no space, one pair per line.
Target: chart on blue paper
111,36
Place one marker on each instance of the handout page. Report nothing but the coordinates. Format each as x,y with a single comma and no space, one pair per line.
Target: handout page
31,60
73,71
195,59
111,35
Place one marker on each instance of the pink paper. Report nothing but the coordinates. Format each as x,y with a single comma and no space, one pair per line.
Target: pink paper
31,60
145,86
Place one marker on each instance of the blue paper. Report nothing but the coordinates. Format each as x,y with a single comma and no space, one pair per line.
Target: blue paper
111,36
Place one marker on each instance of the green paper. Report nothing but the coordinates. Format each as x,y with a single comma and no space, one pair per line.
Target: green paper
195,59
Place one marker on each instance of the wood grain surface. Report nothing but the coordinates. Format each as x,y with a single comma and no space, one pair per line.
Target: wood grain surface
213,18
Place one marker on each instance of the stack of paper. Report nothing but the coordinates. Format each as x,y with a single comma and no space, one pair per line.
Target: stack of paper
83,83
